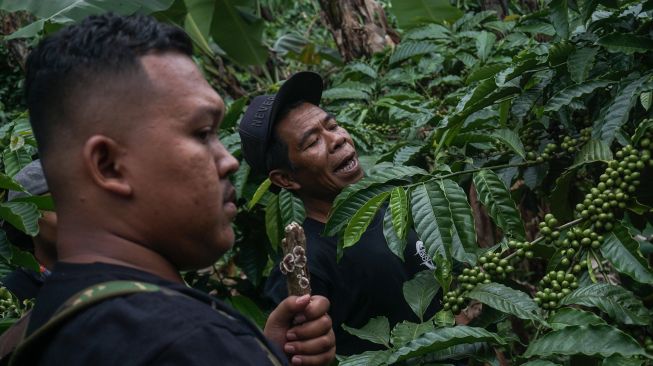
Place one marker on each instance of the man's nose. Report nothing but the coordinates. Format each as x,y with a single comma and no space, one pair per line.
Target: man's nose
336,140
226,163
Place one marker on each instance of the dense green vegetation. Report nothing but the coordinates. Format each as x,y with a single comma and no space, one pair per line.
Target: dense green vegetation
519,149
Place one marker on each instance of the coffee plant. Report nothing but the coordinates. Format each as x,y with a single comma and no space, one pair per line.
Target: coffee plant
518,148
542,119
542,123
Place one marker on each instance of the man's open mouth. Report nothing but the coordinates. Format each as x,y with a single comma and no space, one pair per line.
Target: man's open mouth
349,164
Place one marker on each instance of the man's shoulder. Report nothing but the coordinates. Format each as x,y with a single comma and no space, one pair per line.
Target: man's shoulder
155,312
175,303
156,327
148,328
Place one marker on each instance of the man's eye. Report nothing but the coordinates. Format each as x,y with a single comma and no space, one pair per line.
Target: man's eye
333,127
205,134
312,143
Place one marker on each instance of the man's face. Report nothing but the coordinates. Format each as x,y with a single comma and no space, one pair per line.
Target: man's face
322,152
178,167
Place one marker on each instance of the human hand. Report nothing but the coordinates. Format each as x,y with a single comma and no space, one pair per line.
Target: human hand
303,329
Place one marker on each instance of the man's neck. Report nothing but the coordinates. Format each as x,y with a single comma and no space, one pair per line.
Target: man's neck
105,247
317,209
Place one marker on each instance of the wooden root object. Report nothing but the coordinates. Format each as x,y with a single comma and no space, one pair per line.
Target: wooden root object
294,263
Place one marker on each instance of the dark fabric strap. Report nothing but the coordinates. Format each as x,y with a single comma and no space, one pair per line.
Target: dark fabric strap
25,353
28,349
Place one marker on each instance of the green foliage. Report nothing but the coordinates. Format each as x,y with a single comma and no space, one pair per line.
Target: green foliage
535,112
68,11
433,225
376,331
496,197
399,211
517,149
615,301
410,13
570,316
233,25
11,309
623,252
362,219
592,340
443,338
506,300
419,292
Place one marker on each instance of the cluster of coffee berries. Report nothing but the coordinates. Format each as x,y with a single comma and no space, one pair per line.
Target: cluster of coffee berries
576,240
529,138
548,152
10,306
380,128
571,145
553,287
455,300
521,249
648,343
619,180
581,238
548,228
490,266
494,265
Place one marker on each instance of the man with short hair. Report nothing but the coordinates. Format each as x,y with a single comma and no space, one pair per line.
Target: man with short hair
127,132
301,148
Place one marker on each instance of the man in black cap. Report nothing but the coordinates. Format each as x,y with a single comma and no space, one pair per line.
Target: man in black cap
126,127
25,283
301,148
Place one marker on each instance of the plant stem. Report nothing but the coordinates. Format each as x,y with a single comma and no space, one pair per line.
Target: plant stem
539,329
500,166
570,224
600,265
561,227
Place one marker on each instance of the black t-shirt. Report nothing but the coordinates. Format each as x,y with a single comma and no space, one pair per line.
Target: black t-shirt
24,283
144,328
366,283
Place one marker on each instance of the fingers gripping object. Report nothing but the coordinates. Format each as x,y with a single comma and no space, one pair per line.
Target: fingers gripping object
294,264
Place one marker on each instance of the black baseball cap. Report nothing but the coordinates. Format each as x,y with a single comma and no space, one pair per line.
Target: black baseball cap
256,125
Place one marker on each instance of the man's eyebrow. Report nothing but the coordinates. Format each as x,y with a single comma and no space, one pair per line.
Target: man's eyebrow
328,117
305,136
212,112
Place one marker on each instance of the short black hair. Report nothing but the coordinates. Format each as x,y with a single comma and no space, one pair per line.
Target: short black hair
277,156
95,50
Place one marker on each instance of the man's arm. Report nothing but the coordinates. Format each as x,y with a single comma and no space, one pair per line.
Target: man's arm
302,328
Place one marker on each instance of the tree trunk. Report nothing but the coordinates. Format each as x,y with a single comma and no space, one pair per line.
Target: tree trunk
485,229
223,78
500,6
359,27
9,23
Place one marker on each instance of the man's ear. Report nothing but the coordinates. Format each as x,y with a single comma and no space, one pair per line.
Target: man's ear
103,161
283,179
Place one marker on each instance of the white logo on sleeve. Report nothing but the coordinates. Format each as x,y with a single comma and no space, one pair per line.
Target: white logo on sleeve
421,251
